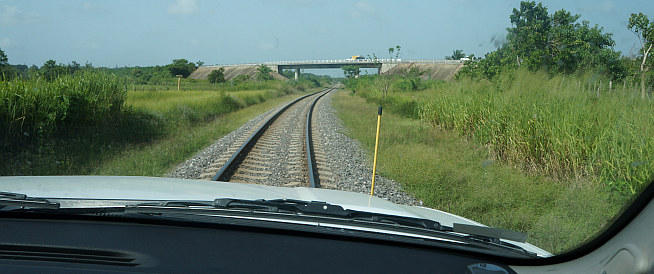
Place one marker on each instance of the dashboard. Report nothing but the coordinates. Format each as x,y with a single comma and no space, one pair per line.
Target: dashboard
38,244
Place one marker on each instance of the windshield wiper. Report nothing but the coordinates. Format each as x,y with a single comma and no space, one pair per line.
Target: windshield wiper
284,205
15,201
313,208
12,201
282,209
328,213
318,208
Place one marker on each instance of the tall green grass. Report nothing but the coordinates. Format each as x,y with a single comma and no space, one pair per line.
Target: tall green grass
33,108
188,84
195,106
75,124
449,173
562,126
180,142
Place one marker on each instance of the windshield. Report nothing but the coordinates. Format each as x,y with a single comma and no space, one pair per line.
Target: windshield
529,117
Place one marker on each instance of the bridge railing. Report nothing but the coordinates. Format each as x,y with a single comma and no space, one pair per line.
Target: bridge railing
230,65
340,61
432,61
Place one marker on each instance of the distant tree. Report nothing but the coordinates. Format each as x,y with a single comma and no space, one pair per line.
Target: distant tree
137,73
73,67
141,75
350,71
33,72
200,63
3,58
556,43
181,67
20,68
263,73
51,70
641,26
240,79
289,73
6,71
4,61
217,76
456,55
395,50
528,37
385,81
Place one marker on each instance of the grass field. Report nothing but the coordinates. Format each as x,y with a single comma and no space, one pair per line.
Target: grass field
159,157
450,173
86,123
195,106
564,127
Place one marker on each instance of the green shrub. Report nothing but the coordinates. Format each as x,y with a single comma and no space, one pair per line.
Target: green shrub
216,76
558,125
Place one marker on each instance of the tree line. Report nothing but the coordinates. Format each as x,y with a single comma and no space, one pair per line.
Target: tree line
51,70
559,44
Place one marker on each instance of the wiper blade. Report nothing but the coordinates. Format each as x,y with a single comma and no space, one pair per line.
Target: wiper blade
299,207
491,233
329,213
284,205
326,209
13,201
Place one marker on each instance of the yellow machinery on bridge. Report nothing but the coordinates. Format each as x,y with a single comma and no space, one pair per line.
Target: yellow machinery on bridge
357,57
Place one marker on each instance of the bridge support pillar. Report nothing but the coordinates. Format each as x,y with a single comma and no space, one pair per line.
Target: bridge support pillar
356,73
297,73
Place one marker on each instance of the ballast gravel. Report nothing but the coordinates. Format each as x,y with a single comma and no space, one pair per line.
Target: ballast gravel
350,166
349,163
193,168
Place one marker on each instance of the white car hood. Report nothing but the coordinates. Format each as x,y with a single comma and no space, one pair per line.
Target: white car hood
152,188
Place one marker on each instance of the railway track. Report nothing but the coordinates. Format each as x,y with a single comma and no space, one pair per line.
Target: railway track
279,151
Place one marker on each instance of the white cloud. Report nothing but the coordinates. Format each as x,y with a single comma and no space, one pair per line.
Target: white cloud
12,15
361,9
183,7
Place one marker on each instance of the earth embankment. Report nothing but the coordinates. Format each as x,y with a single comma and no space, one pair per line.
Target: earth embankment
232,72
431,71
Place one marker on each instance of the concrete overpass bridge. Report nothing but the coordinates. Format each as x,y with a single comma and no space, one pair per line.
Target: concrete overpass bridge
382,65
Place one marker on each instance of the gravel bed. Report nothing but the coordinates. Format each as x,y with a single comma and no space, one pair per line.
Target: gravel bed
285,139
348,161
192,168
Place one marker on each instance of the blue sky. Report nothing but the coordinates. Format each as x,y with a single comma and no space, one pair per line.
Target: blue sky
153,32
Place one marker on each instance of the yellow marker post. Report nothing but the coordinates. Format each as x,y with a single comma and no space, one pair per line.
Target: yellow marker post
374,162
179,81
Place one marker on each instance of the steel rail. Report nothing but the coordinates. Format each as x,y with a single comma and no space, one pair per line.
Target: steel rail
309,142
225,173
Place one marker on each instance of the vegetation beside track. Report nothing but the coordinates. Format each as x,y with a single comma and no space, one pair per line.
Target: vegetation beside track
562,126
457,175
157,158
82,123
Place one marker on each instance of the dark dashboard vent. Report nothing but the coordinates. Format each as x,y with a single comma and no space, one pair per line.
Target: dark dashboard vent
66,254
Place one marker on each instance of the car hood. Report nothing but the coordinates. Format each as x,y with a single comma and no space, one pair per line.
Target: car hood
153,188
